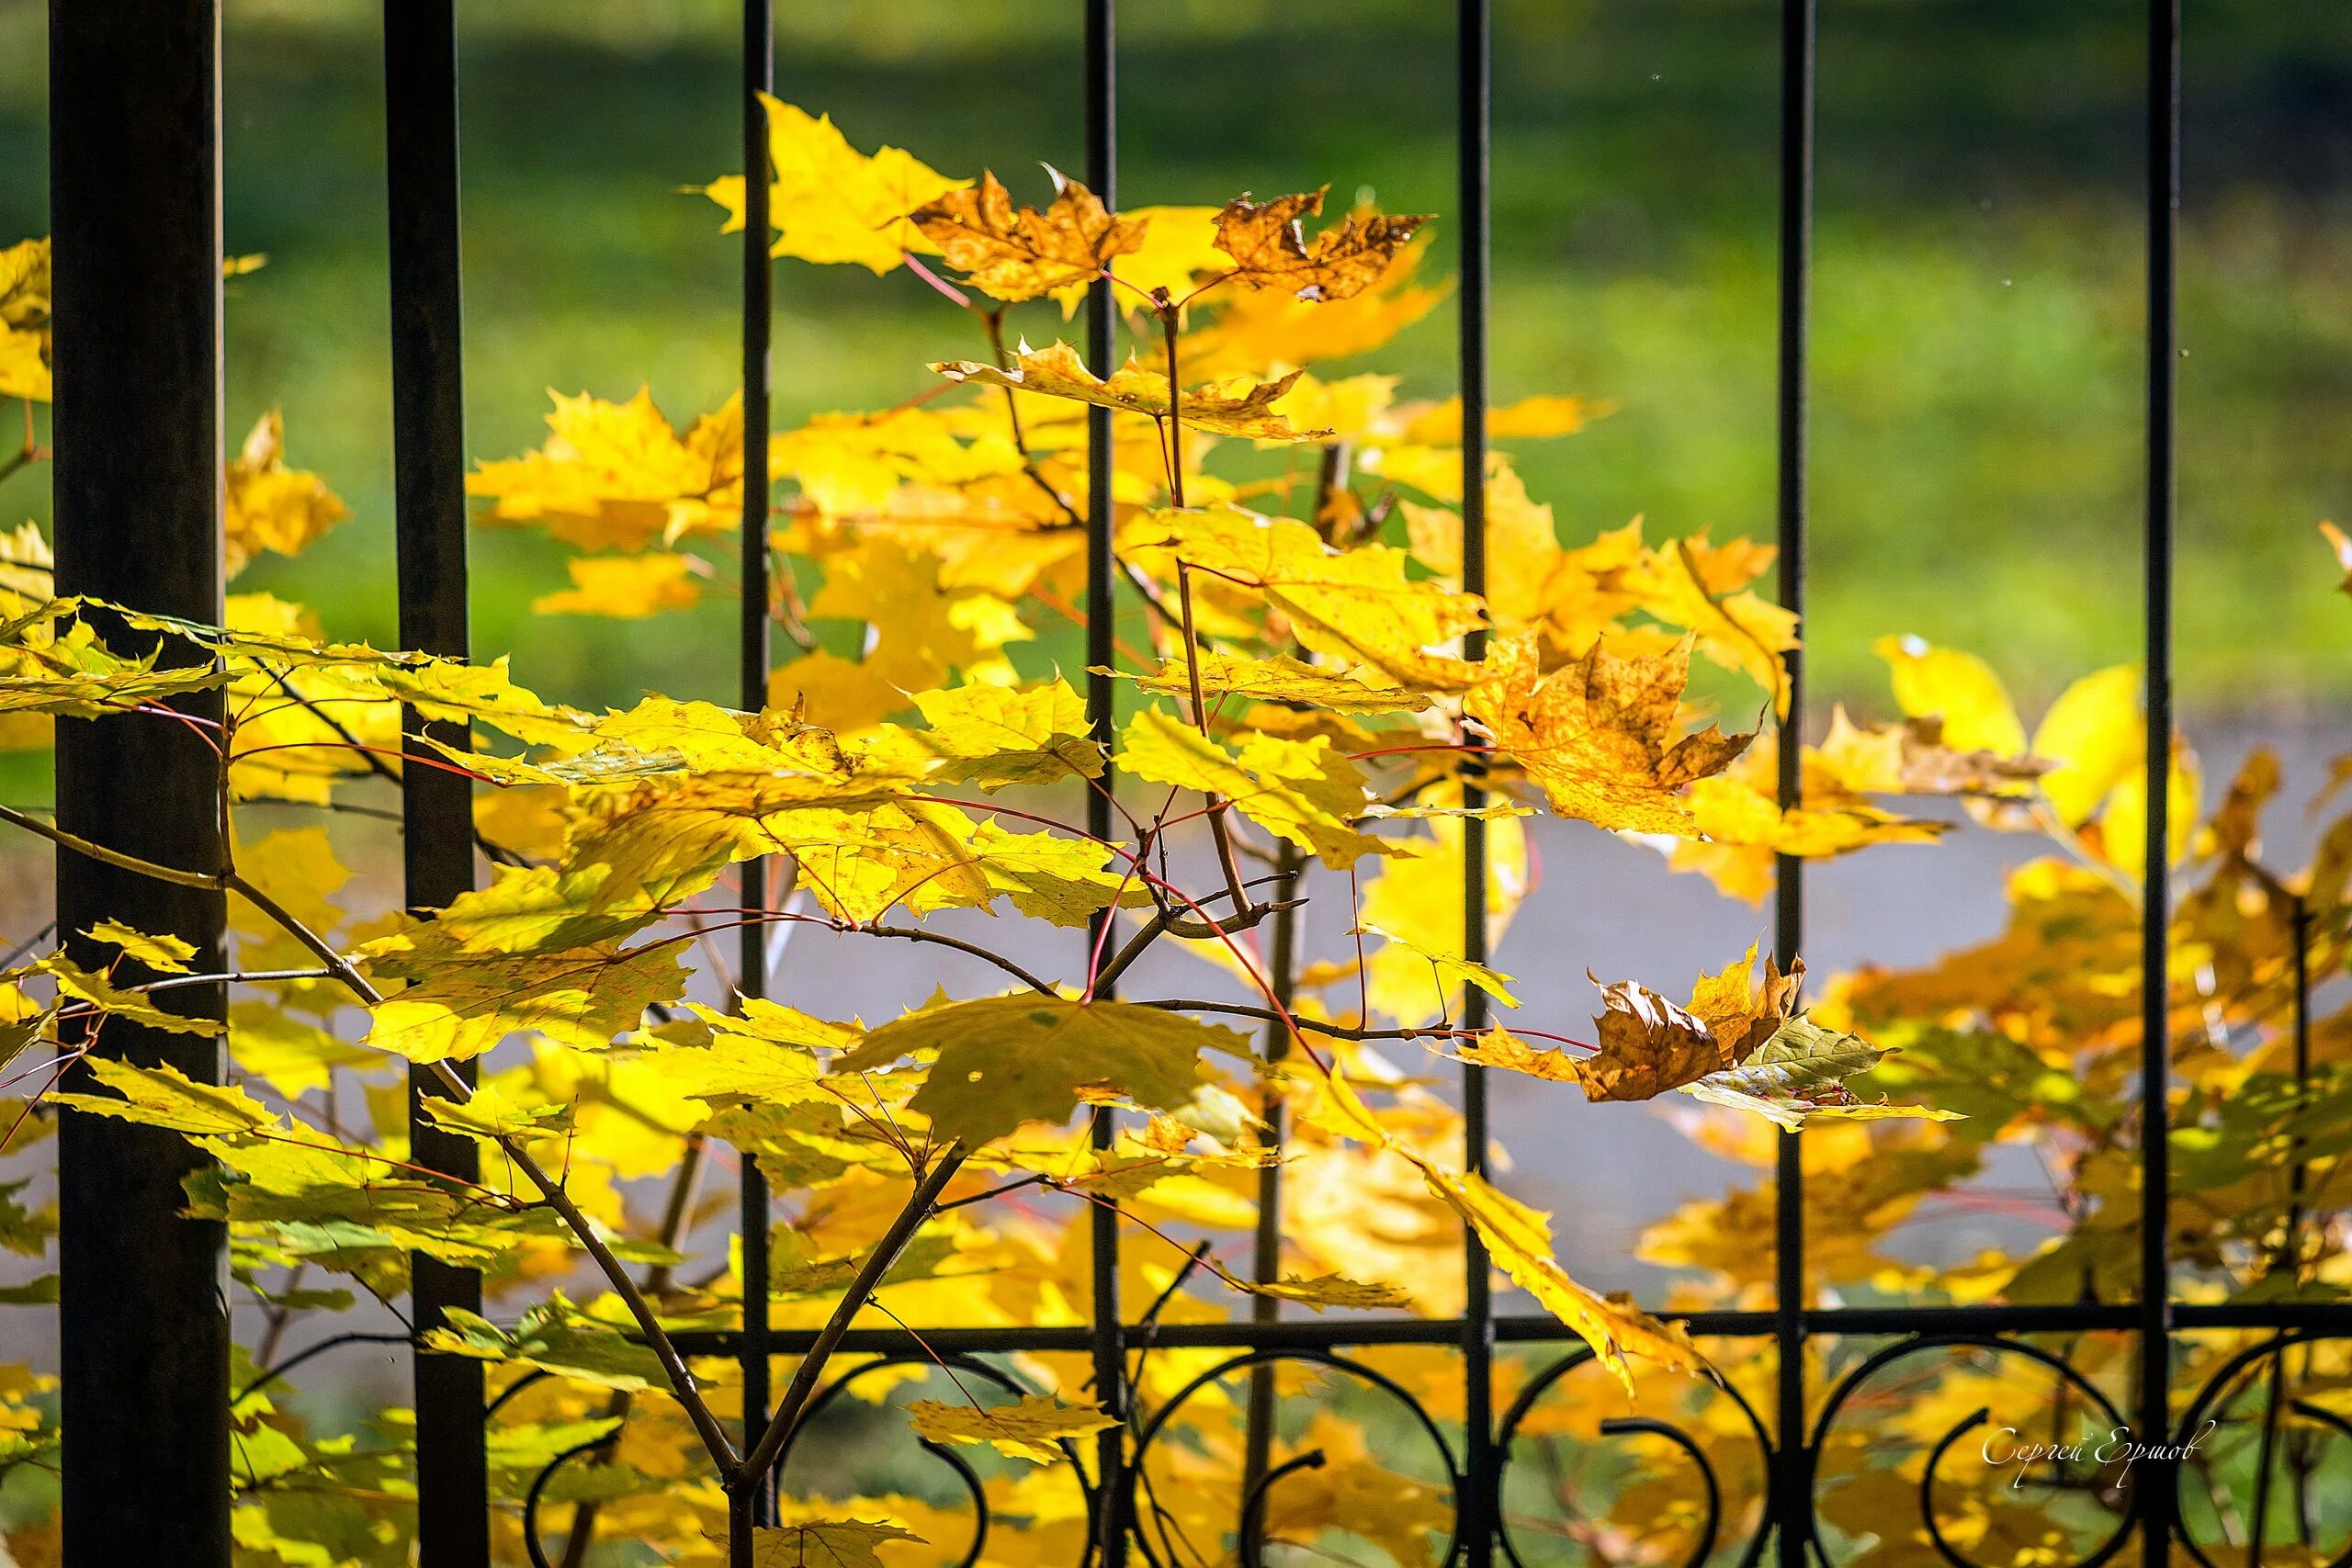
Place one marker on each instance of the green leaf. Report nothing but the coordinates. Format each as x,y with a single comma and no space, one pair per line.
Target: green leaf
554,1336
1800,1072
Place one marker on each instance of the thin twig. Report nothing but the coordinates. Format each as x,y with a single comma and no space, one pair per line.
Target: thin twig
959,944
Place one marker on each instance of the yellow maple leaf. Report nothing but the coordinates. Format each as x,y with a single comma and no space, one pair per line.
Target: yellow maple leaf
1224,408
165,953
457,1004
1520,1239
1602,736
2096,735
1019,254
617,477
1278,678
1958,689
1301,791
270,506
627,587
1031,1427
1358,606
1258,332
830,203
1684,584
827,1543
1270,249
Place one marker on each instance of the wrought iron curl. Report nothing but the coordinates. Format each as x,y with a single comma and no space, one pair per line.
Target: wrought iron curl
1507,1435
2214,1394
1886,1356
960,1366
1254,1506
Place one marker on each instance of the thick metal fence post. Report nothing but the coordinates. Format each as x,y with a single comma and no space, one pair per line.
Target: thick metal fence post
2156,1481
753,652
437,805
1472,136
1792,1474
1102,717
134,181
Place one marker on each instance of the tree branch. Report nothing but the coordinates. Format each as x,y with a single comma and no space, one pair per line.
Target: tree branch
942,939
794,1403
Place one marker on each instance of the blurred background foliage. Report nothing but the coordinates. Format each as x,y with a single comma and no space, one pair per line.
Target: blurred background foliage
1977,389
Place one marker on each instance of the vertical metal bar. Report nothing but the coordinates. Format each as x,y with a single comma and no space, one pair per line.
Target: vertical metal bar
1266,1248
135,208
1102,624
1473,47
1790,1483
2156,1488
436,806
759,76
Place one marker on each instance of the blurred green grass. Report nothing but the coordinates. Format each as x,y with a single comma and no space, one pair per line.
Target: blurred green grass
1977,395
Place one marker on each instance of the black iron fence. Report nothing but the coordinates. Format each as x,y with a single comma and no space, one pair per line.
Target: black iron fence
134,176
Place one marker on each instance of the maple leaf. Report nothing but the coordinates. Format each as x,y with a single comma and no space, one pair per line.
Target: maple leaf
292,1055
1731,810
2094,736
1800,1072
766,1056
830,203
132,1007
1603,735
1358,607
993,736
617,477
459,1004
1240,407
1738,630
270,506
1004,1061
1279,678
166,953
1647,1045
163,1096
1267,240
626,588
1911,757
555,1337
1178,251
826,1543
489,1115
1301,791
1014,255
1258,332
1030,1428
1957,688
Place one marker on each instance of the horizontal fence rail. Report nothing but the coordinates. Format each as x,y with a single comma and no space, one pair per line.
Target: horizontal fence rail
1809,1394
